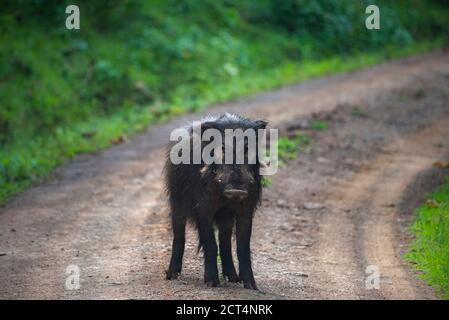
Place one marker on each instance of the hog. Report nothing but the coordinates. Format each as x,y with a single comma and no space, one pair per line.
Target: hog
216,195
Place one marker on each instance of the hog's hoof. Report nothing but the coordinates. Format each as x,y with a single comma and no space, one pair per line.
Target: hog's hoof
249,285
172,275
213,284
233,278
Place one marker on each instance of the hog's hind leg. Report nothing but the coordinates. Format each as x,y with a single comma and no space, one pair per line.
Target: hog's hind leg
178,225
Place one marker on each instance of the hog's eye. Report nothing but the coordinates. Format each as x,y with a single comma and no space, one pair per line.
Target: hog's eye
220,180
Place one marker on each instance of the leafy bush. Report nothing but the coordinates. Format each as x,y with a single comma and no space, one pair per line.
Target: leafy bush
131,53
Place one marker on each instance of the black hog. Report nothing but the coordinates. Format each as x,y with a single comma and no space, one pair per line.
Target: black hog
221,195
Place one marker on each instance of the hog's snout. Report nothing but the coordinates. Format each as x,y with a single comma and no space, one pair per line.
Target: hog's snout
236,194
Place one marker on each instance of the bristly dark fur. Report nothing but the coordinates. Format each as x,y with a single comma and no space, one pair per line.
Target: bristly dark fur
196,192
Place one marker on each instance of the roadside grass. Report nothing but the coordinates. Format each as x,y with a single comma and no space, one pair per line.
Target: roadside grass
31,158
266,182
430,250
288,149
358,112
319,125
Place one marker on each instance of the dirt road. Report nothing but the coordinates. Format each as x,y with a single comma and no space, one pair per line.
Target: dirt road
341,207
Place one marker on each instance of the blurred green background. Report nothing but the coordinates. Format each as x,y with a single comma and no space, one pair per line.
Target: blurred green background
132,63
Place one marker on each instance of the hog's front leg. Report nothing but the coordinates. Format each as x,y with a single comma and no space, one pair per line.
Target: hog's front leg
243,234
209,245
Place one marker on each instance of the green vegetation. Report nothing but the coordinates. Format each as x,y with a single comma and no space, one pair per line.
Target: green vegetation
430,250
319,125
138,62
358,112
266,182
289,147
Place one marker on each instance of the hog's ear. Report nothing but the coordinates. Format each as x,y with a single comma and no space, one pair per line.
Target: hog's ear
261,124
